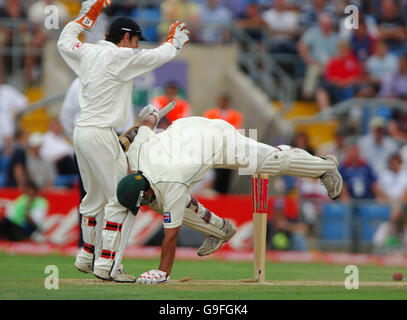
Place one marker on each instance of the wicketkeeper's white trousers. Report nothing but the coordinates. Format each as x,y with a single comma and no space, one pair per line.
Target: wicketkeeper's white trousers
102,164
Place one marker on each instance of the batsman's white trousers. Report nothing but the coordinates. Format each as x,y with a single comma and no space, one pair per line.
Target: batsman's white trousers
102,164
263,158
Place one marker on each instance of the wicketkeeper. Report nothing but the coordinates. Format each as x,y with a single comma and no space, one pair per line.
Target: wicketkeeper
167,164
106,71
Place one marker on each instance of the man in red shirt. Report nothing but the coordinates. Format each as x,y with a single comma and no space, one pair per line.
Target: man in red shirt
181,110
224,112
343,73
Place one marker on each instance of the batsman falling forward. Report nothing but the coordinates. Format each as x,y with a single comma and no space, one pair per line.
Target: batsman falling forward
167,164
106,71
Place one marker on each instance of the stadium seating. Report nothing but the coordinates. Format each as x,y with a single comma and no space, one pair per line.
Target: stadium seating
370,217
335,222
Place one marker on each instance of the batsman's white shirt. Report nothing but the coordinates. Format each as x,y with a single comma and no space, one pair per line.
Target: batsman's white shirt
177,158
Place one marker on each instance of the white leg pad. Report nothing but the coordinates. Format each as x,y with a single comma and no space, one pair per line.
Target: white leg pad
125,234
88,226
193,219
295,162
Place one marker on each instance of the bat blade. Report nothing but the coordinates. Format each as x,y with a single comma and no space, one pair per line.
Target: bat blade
166,109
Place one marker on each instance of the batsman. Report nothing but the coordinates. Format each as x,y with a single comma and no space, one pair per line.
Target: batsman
166,165
106,71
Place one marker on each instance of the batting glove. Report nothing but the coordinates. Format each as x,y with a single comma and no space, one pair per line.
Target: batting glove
179,34
153,277
91,9
146,111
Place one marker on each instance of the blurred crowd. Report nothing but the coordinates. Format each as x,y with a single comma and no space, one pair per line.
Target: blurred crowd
335,63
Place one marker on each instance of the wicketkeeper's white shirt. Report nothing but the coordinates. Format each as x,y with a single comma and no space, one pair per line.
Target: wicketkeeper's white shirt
106,74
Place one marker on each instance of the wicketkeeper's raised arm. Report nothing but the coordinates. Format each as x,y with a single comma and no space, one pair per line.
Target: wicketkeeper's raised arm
135,62
68,44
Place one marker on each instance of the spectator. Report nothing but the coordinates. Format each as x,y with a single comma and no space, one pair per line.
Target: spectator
380,65
367,22
285,232
225,112
370,7
235,118
392,25
393,181
300,140
359,179
317,45
311,10
282,26
41,171
336,147
376,147
398,126
342,74
182,10
362,43
235,7
215,19
17,169
12,101
183,108
57,150
395,85
29,211
252,21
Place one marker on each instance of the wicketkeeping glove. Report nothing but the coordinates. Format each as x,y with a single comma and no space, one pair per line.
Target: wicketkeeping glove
179,34
91,9
153,277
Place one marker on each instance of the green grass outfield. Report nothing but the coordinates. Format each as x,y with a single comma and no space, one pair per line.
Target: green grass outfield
22,277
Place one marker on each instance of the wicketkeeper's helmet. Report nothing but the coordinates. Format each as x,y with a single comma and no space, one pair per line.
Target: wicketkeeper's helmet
130,191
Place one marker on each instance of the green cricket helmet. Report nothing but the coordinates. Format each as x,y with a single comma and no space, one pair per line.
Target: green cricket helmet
130,191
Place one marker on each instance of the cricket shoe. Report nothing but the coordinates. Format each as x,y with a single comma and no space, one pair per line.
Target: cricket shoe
332,180
212,244
84,261
85,267
121,275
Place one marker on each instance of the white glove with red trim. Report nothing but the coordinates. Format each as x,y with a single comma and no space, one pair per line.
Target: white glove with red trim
179,34
153,277
91,9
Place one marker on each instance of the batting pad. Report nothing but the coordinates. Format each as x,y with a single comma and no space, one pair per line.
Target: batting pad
295,162
193,221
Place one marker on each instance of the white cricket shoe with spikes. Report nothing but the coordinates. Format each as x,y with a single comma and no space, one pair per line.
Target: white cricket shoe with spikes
212,244
332,180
